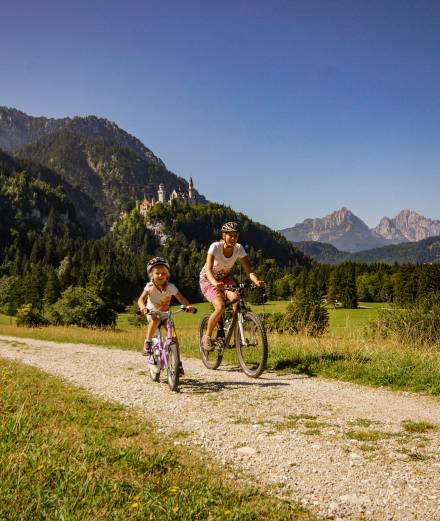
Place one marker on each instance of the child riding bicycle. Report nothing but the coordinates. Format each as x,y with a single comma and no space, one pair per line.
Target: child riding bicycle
158,294
220,259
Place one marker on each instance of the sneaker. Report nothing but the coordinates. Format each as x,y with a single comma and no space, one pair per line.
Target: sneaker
148,348
207,344
181,371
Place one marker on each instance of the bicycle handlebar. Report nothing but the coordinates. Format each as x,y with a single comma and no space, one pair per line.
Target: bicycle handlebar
246,285
166,314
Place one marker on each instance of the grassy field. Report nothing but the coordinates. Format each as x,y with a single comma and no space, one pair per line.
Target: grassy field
344,353
65,455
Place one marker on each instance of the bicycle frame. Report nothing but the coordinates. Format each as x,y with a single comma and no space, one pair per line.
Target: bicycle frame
237,316
166,321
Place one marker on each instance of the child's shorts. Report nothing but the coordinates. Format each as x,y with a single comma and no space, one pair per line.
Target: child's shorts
210,292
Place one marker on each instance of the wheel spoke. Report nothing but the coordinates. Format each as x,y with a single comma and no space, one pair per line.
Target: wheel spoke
252,349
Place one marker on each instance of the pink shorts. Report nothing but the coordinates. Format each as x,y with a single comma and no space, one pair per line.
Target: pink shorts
210,292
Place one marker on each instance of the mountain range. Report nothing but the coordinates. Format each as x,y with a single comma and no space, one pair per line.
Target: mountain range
348,233
93,155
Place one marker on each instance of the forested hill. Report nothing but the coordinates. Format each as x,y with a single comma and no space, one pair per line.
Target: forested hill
113,175
201,225
93,154
424,251
34,197
18,129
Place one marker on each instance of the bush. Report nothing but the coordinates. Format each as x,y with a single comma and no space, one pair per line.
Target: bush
133,318
29,316
255,296
81,307
416,325
274,322
305,315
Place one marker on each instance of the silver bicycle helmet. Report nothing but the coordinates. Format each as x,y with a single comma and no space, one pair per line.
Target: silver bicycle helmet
157,261
231,227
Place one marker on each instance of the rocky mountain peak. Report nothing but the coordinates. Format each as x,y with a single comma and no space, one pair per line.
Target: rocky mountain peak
18,129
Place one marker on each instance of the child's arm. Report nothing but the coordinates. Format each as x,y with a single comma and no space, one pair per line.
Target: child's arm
141,301
249,272
183,300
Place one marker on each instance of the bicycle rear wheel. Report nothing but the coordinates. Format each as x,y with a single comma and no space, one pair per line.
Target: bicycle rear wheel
173,366
211,359
252,350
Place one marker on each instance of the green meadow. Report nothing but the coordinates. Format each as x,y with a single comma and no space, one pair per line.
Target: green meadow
344,353
65,455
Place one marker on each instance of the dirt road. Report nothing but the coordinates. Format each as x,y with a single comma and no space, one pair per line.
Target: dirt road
342,450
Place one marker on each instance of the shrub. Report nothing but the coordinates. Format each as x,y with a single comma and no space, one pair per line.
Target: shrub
29,316
133,318
274,322
305,315
81,307
415,325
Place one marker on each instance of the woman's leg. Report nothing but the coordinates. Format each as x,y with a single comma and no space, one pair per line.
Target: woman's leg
219,307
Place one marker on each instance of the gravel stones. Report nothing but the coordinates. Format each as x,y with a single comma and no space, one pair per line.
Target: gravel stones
338,449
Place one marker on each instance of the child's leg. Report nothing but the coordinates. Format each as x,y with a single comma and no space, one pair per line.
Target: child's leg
153,324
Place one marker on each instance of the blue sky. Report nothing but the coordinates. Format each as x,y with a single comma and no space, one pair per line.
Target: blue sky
282,110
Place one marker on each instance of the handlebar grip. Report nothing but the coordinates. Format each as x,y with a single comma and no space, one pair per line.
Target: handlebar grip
185,308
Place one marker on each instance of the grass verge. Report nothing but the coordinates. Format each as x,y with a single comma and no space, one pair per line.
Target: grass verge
68,456
344,354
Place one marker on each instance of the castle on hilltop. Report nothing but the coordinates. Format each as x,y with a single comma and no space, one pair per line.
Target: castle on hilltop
184,197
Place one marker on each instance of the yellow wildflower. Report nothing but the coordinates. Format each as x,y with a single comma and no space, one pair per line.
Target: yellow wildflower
175,509
135,504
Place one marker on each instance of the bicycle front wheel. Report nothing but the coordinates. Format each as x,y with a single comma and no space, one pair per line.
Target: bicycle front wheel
153,365
173,366
252,347
211,359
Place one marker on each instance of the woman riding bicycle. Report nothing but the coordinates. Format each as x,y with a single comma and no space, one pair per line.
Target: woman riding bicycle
220,259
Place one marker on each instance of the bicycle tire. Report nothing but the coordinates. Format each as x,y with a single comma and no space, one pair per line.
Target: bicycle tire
154,369
211,359
253,356
173,366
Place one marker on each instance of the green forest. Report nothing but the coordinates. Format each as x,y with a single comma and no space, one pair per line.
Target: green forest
54,270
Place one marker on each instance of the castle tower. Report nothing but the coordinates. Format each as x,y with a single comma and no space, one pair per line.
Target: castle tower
161,193
190,189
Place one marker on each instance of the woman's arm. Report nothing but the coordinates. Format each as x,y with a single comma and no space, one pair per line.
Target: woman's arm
208,271
141,301
249,272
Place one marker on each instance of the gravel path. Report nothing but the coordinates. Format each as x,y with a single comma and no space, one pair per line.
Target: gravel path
339,449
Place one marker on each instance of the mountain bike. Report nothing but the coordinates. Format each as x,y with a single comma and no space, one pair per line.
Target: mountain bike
166,352
244,331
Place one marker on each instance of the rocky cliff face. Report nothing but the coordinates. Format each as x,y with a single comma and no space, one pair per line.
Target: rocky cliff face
407,226
18,129
347,232
342,229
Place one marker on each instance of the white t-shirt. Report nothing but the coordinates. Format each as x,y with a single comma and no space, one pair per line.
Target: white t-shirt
222,265
160,300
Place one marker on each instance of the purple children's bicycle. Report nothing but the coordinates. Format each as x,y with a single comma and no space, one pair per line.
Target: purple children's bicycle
166,353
